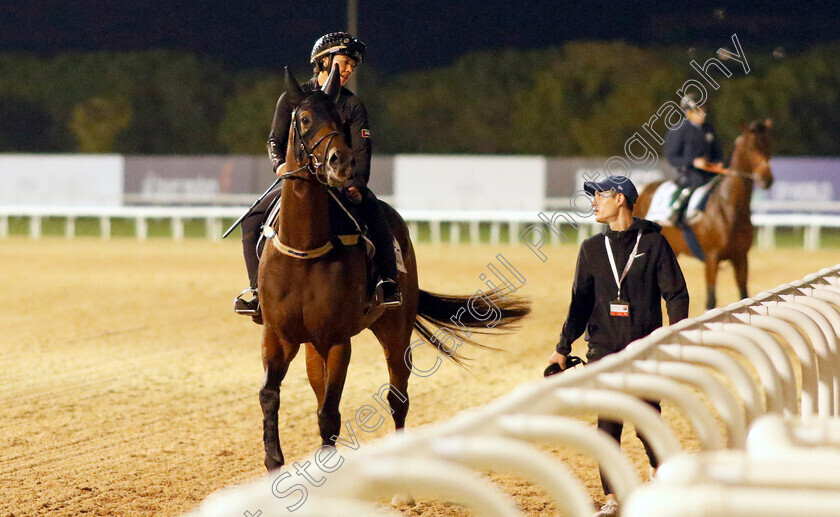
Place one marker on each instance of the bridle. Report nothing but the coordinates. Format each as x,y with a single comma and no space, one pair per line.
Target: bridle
752,176
312,163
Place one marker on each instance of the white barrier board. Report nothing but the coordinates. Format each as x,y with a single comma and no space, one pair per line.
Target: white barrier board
61,180
427,182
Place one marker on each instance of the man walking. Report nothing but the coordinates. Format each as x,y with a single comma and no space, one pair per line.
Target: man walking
620,277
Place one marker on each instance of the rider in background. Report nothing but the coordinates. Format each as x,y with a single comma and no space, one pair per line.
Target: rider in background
344,50
693,150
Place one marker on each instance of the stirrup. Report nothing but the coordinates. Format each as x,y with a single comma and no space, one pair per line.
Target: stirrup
247,307
381,287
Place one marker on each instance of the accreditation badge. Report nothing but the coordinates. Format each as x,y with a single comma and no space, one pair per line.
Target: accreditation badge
620,308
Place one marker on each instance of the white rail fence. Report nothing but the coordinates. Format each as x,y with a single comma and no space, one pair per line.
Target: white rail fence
768,365
438,222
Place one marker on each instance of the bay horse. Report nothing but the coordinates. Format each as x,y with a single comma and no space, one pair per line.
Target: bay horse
724,230
314,290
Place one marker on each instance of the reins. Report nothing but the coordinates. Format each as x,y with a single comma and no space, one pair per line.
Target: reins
312,165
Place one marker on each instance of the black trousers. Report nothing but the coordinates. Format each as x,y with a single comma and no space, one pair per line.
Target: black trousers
614,428
372,216
251,227
380,235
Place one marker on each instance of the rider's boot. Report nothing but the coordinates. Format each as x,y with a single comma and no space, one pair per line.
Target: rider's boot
251,229
385,257
247,302
678,208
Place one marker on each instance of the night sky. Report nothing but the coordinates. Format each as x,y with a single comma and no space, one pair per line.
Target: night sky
401,34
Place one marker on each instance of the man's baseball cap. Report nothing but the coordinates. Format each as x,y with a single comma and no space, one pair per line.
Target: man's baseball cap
620,184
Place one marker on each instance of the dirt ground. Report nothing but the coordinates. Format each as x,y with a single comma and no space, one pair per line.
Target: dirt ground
129,387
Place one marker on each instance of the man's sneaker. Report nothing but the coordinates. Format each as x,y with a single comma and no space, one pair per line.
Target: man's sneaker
247,307
391,295
610,509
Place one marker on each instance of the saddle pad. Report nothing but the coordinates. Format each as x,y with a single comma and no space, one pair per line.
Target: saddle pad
660,205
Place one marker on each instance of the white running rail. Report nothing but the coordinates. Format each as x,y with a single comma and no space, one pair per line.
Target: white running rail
497,223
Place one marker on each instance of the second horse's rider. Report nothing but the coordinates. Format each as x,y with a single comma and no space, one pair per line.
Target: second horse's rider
693,150
344,50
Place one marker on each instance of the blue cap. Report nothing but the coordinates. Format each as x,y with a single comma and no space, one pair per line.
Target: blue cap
620,184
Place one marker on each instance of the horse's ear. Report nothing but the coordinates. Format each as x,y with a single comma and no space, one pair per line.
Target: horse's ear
293,90
743,126
768,124
333,85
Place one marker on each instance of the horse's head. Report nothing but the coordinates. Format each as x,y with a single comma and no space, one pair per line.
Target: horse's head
753,150
316,137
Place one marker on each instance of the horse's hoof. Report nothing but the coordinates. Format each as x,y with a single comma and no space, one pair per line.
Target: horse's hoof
272,463
403,499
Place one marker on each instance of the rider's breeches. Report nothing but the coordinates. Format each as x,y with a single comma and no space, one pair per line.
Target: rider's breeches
251,227
380,234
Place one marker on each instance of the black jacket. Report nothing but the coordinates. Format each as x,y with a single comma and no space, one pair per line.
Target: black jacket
687,142
356,130
655,274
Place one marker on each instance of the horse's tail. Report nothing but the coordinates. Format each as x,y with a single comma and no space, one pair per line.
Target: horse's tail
494,312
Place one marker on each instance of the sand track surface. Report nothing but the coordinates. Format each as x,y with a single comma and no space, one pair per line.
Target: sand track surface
129,387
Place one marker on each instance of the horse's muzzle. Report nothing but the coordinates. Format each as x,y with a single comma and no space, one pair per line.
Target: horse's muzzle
339,166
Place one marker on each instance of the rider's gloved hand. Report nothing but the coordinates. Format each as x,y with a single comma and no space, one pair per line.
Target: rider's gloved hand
354,194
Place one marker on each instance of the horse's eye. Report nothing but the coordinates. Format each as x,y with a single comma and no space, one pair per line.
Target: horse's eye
304,120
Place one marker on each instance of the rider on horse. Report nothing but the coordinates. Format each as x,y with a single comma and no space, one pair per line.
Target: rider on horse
344,50
693,150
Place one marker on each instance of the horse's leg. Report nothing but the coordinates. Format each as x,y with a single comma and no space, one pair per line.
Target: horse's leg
329,418
277,355
712,264
395,343
316,371
741,267
393,330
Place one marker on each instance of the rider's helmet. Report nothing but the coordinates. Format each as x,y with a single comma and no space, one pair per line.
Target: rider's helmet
336,43
689,101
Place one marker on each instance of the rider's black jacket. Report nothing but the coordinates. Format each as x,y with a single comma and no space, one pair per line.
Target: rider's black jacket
654,275
687,142
356,130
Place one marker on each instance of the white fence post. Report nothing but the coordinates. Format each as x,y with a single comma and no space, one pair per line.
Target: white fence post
35,227
105,227
70,227
434,232
178,228
141,229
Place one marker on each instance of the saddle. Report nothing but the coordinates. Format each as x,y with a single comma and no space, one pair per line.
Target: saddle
663,201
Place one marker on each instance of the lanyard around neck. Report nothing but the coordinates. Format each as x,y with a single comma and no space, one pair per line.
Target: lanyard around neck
630,260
